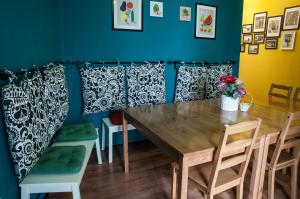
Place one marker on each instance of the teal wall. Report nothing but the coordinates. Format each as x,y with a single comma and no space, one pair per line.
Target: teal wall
29,34
40,31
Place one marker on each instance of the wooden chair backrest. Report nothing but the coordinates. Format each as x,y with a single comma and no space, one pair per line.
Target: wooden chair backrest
236,152
289,138
284,91
297,94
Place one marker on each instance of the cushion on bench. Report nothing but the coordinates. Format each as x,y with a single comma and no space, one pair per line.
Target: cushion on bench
60,160
76,132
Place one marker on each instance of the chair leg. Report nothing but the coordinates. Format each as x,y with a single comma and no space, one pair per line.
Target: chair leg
110,146
294,176
239,191
75,191
98,150
271,183
103,136
174,184
25,194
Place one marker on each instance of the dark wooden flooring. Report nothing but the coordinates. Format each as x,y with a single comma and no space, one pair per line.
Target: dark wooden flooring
149,178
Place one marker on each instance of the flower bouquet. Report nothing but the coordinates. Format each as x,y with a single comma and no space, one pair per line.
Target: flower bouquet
231,89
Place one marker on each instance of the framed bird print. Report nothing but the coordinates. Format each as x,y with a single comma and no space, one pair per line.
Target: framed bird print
128,15
206,16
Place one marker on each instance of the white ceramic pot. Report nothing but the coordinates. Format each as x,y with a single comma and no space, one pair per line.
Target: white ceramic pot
229,103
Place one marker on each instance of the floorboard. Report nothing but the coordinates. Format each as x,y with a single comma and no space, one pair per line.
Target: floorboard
149,178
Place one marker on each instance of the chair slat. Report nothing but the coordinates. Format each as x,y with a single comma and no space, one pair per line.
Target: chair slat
287,89
233,161
241,127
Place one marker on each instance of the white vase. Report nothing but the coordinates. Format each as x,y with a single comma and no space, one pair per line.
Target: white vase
229,103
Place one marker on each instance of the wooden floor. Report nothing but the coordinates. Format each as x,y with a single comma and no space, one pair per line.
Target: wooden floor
149,178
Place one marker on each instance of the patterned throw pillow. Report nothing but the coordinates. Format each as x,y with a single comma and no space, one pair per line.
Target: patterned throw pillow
25,122
213,76
146,84
190,84
103,89
56,96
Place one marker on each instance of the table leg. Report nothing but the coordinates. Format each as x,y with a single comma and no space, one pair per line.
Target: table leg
183,178
258,171
125,145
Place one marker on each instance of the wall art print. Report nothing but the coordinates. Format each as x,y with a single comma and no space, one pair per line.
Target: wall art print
206,16
288,40
156,9
291,18
185,13
274,26
259,22
128,15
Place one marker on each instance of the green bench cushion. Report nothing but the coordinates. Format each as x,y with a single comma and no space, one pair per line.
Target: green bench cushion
60,160
76,132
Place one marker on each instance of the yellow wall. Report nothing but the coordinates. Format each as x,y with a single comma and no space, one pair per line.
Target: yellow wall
278,66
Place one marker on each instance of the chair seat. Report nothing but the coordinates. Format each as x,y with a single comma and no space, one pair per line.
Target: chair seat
76,132
60,160
200,174
285,158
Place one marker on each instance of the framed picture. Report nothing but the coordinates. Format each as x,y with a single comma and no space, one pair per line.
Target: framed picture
128,15
156,9
291,18
242,48
247,39
274,26
271,43
253,49
185,13
259,38
206,16
288,40
247,29
259,22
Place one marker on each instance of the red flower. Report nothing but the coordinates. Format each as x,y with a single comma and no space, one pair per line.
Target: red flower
228,80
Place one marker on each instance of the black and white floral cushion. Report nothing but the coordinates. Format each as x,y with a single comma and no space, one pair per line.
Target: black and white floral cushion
213,77
56,96
25,122
190,84
146,84
103,89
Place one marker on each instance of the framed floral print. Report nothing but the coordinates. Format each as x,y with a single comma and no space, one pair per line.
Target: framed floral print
291,18
259,22
206,16
274,26
128,15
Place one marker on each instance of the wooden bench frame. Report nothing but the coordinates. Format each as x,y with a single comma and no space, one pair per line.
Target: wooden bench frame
60,183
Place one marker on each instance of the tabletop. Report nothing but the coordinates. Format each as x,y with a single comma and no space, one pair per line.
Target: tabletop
189,127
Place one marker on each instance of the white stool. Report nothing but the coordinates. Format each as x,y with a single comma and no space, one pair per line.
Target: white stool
106,124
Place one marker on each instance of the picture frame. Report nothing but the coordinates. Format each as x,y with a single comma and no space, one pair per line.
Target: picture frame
259,22
205,23
247,39
185,13
243,46
291,18
156,9
288,40
127,15
271,43
247,29
274,26
259,38
253,49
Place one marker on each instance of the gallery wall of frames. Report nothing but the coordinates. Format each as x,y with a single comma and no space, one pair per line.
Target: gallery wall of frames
266,30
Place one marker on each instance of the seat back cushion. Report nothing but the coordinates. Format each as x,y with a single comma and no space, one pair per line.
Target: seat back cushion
213,77
56,96
25,122
190,84
76,132
146,84
103,89
60,160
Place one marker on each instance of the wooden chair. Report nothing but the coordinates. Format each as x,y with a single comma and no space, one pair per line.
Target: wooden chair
284,91
297,94
280,156
217,176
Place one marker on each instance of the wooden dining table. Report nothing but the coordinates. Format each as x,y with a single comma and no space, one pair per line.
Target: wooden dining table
189,132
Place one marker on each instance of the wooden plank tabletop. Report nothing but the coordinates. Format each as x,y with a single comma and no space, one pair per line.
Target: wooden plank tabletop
190,127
